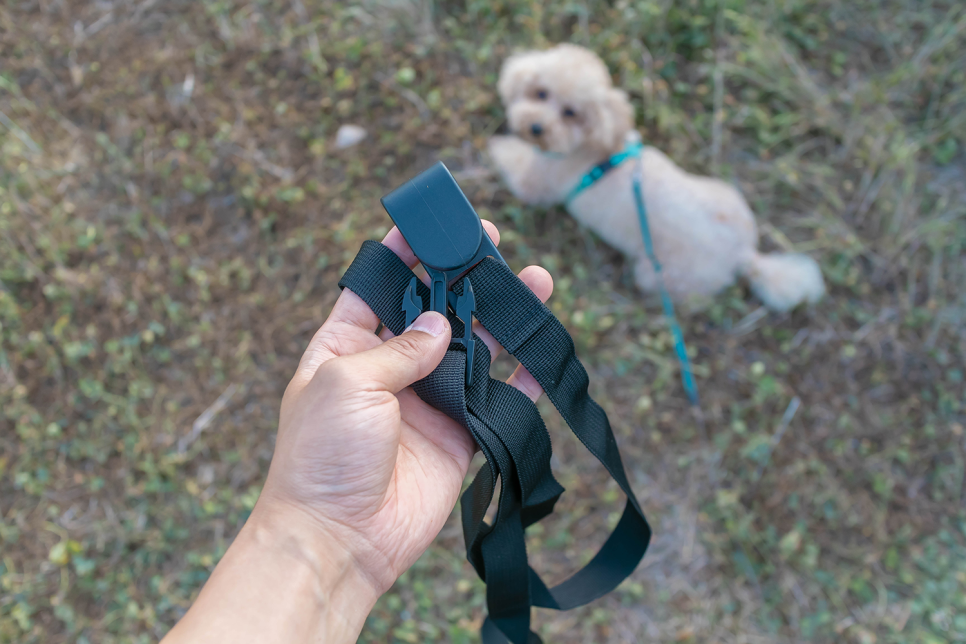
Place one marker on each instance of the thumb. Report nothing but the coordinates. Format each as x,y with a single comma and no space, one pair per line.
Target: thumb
400,361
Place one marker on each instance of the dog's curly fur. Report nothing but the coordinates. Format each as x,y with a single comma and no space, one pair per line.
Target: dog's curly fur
566,117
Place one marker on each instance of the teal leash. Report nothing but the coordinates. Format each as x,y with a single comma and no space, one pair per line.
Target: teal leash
590,178
687,374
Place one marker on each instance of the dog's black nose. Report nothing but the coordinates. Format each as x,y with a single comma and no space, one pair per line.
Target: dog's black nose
536,129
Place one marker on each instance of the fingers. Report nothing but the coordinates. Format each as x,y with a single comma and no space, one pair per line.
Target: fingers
535,277
490,228
401,361
541,283
397,364
349,327
522,380
351,310
395,240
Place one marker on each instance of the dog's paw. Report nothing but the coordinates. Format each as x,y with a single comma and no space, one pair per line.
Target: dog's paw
513,159
509,153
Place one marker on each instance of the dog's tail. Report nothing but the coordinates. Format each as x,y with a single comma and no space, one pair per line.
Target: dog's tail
784,280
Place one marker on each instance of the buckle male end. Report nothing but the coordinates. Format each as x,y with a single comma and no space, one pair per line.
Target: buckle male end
447,237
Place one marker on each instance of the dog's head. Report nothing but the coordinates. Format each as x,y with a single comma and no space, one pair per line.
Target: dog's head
562,100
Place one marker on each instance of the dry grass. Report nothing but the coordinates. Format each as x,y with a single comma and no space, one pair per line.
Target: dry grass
174,218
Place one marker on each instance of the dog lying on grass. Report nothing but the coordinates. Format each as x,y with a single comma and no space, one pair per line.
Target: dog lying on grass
566,118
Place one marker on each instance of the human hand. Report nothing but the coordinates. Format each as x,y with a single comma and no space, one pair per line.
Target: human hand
359,454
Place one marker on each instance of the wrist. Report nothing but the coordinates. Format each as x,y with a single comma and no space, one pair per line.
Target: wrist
325,572
325,538
282,580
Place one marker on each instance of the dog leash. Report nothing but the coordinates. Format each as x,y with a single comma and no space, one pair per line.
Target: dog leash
592,176
468,277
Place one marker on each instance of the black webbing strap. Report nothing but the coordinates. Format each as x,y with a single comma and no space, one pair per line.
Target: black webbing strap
513,438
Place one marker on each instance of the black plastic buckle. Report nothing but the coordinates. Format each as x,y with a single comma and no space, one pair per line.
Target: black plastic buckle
447,237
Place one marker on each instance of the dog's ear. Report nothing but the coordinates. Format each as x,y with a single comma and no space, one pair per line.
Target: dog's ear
613,118
516,74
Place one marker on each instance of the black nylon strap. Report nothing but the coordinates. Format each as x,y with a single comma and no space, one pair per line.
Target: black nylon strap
545,348
493,412
513,438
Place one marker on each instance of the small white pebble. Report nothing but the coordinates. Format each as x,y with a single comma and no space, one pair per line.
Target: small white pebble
188,87
349,135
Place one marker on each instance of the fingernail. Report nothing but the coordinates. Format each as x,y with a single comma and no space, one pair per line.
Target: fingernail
429,322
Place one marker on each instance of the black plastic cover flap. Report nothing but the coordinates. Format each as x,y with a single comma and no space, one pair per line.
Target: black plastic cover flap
436,219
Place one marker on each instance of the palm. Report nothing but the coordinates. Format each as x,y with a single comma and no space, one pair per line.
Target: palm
431,461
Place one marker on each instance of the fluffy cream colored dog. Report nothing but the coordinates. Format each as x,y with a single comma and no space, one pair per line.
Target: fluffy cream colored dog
566,118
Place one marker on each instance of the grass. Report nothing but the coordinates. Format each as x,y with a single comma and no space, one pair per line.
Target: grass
174,218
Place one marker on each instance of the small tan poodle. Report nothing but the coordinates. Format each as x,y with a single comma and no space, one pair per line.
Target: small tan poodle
567,119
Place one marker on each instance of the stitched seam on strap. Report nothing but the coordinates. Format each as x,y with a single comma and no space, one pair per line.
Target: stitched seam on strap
526,329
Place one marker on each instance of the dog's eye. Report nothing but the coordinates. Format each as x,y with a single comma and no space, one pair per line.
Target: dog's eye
569,112
542,94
